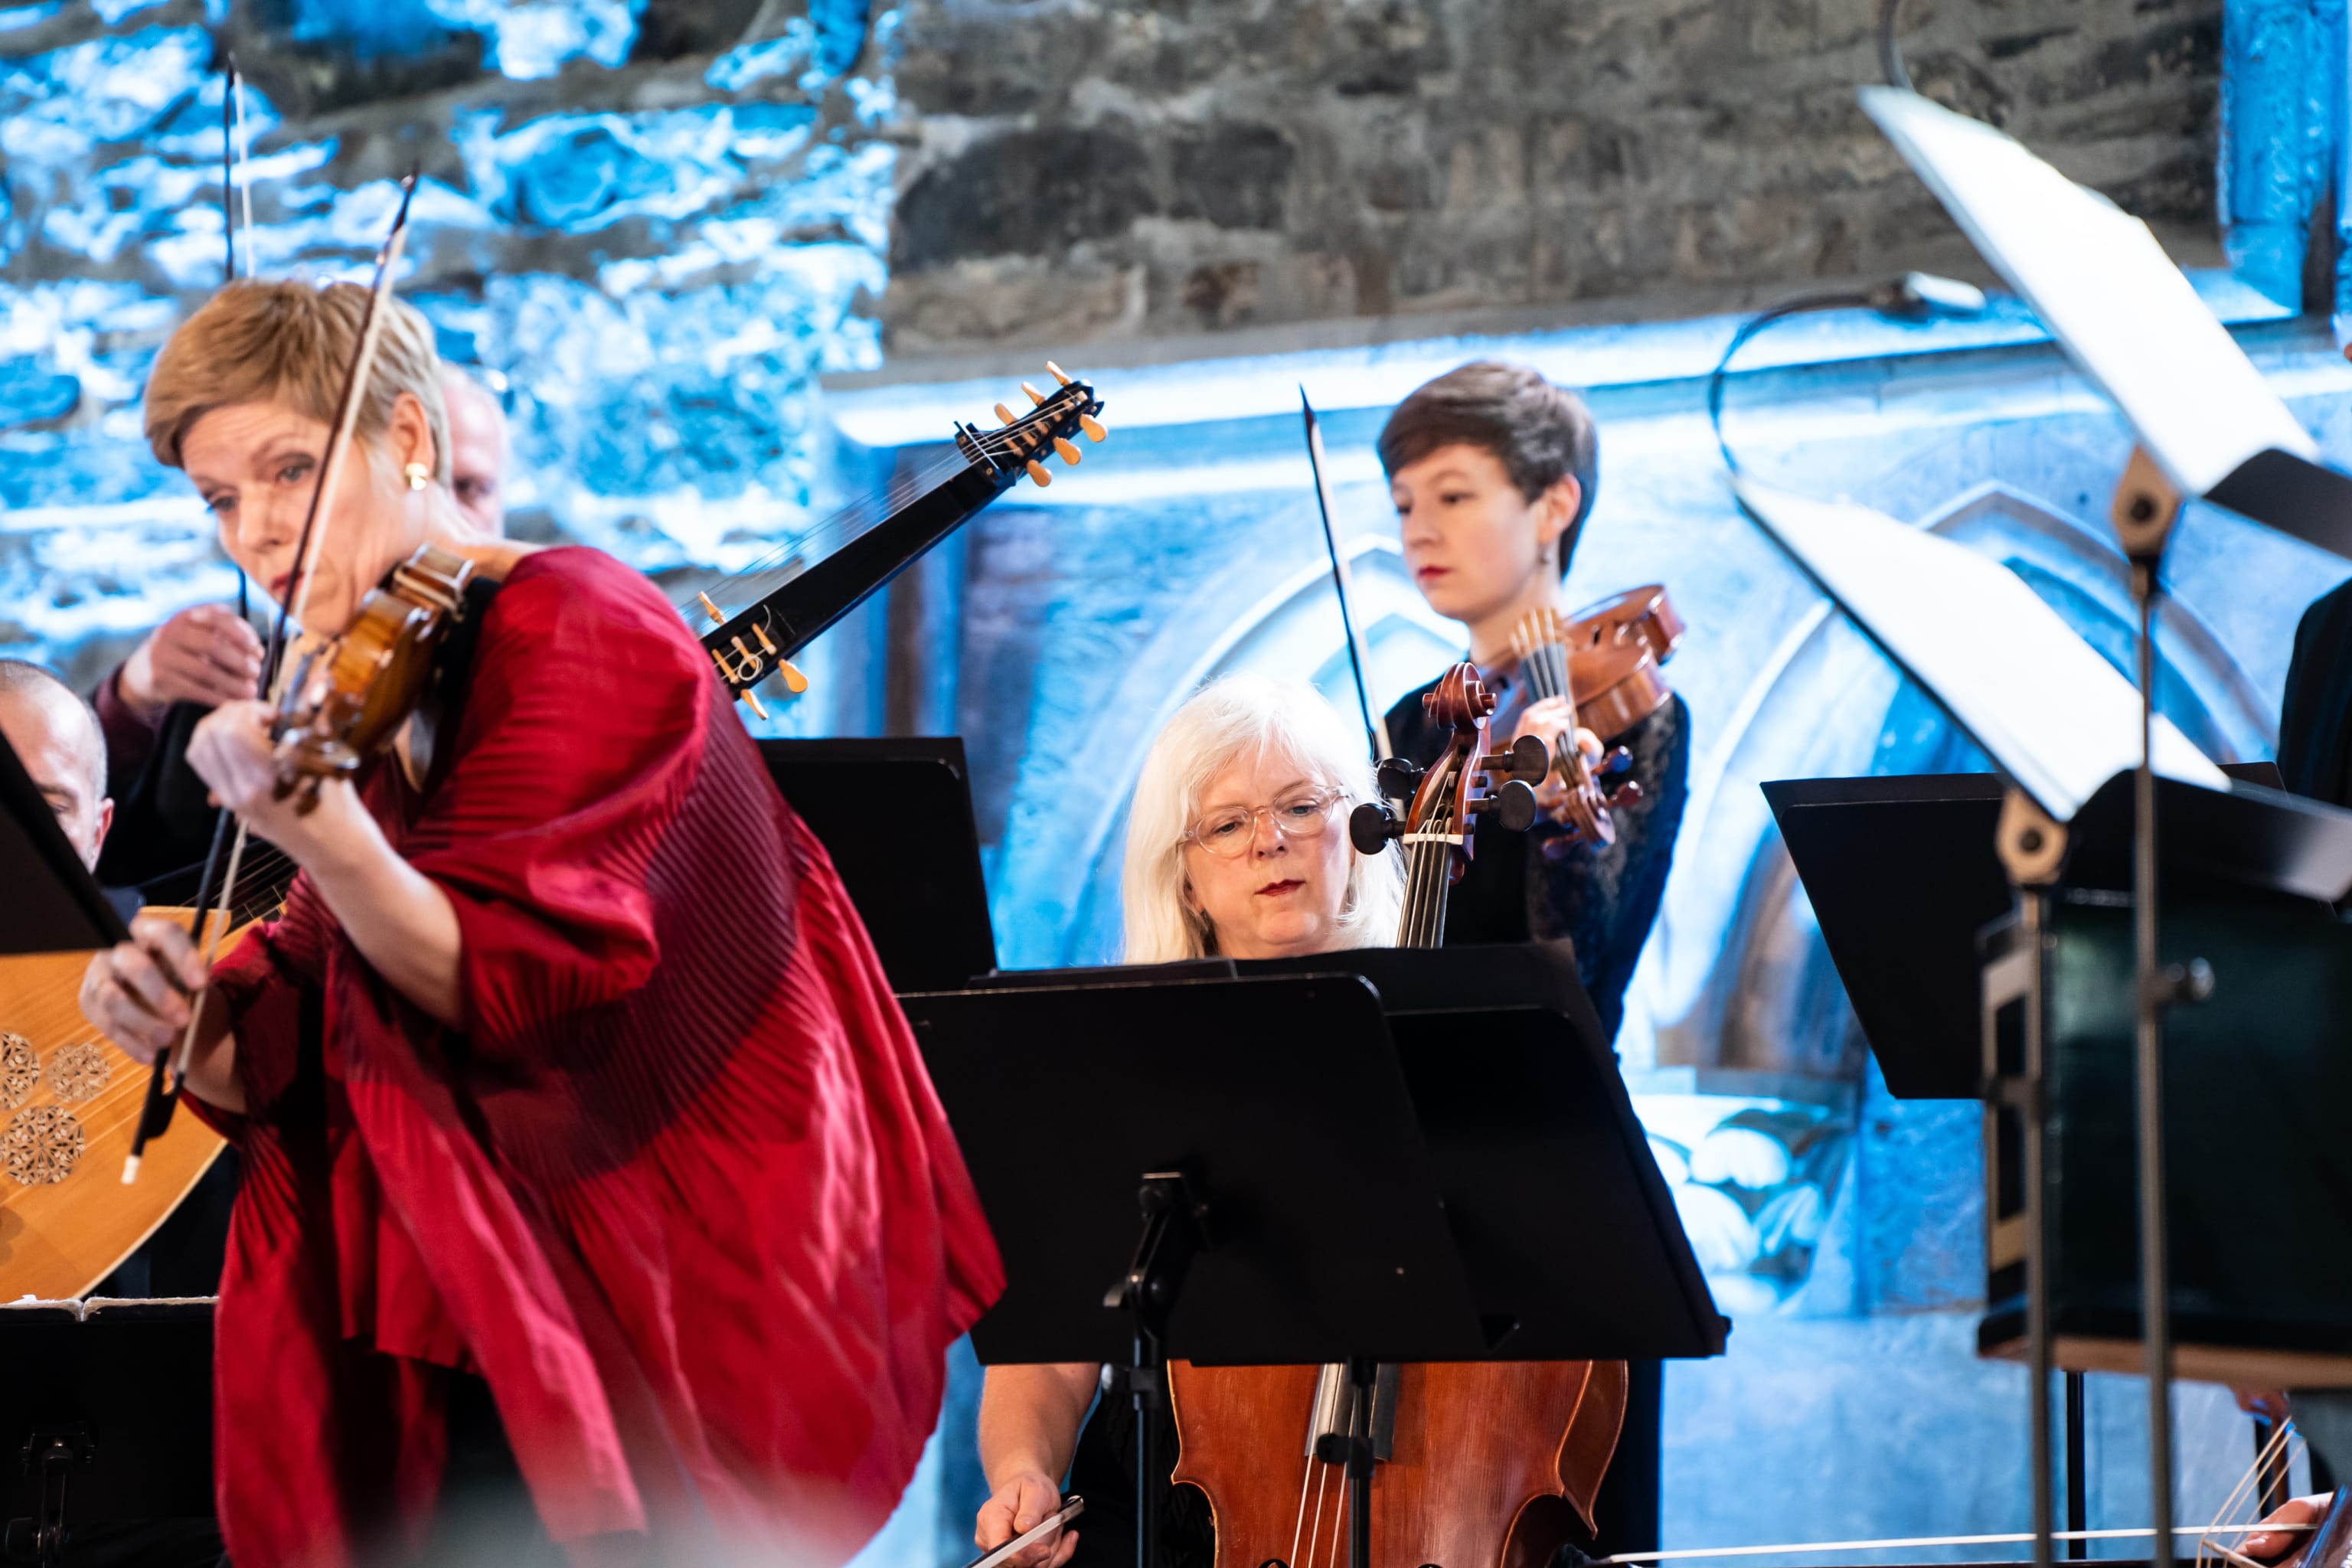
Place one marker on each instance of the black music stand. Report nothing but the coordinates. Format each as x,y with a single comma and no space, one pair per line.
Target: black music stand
1903,878
110,1405
54,904
1315,1188
918,889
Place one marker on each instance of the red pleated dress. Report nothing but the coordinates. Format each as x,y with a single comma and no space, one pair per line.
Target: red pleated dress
679,1190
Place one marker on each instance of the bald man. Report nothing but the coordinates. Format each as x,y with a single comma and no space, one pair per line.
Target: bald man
477,451
57,737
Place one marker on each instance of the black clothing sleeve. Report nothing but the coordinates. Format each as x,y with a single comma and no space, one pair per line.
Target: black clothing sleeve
2314,748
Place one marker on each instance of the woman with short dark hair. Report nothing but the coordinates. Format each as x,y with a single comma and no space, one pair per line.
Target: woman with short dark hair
1493,471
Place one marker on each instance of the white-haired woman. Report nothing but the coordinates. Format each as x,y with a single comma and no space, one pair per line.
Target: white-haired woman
1236,847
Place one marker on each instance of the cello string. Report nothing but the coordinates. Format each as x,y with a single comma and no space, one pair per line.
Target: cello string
1897,1543
1322,1471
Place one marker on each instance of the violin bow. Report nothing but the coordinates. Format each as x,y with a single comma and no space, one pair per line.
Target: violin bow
236,183
1376,727
170,1067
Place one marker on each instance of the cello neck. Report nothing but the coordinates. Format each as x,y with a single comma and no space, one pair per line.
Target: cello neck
1429,852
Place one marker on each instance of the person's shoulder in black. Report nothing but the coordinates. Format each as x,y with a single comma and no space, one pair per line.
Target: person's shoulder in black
2314,748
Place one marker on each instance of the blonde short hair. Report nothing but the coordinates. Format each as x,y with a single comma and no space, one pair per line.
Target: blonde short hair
1239,715
290,342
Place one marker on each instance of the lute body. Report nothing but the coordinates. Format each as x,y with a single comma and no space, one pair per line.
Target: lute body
69,1101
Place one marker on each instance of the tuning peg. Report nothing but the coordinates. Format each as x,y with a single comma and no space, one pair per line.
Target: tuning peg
1038,472
1092,426
794,681
1058,374
1068,450
1399,778
1371,826
1514,805
1035,395
750,700
710,609
1003,415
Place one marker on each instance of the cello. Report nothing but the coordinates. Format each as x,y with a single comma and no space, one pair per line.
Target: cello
1474,1464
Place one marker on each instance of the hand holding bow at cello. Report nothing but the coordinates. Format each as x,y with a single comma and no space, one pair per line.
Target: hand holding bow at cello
1029,1420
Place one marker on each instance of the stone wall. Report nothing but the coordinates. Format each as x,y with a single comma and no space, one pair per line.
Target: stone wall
1104,169
655,223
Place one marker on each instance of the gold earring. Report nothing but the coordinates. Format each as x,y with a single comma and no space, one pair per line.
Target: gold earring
417,474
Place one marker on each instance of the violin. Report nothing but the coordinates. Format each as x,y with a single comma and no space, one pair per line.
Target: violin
1540,640
347,698
1475,1464
1614,649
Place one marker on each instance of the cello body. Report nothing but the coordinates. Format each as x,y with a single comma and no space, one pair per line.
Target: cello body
69,1101
1488,1460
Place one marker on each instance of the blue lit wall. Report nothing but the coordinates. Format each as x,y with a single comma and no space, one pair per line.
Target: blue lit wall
663,238
658,240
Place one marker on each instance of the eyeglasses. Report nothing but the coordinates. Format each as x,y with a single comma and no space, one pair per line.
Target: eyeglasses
1300,817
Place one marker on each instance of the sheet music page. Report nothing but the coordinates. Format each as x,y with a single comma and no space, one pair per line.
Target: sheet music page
2106,290
2053,715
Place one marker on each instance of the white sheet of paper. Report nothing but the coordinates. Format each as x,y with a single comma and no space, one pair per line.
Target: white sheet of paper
2053,715
2106,290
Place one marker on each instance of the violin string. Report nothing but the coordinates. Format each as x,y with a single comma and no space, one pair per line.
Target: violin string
1905,1543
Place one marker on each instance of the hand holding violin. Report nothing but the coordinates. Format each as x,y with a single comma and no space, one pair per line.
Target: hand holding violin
232,752
400,921
1571,794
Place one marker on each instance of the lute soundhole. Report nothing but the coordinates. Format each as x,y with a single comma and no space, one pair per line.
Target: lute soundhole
20,1070
41,1144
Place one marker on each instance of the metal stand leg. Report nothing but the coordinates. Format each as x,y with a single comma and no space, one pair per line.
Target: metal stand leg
2145,506
1147,1292
2078,1480
1363,1376
2033,847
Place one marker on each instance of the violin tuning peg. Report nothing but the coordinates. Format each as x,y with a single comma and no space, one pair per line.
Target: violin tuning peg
1068,450
1092,426
794,681
1038,472
750,700
710,609
1003,415
1035,395
1058,373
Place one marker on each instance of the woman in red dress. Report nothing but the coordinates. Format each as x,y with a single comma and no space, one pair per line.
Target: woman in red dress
588,1157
